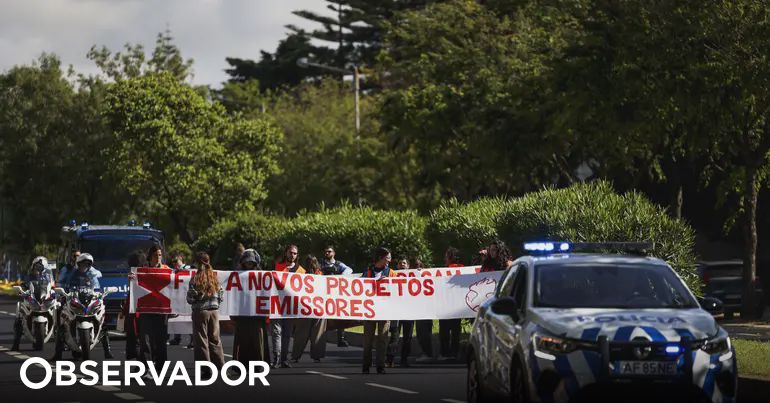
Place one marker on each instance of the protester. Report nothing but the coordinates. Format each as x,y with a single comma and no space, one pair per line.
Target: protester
396,328
39,274
86,276
498,257
131,320
205,295
480,257
239,249
310,329
250,335
377,271
177,264
281,329
330,266
449,329
153,327
423,327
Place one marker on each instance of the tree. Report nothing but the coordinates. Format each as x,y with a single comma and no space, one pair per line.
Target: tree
185,156
166,57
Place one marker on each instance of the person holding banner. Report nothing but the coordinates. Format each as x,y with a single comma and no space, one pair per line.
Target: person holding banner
498,257
310,329
250,343
330,266
153,327
449,329
396,327
423,327
205,295
281,329
377,271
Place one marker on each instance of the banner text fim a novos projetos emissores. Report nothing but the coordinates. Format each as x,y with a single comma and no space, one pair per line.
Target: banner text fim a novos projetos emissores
438,293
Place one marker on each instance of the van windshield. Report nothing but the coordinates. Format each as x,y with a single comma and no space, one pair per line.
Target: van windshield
111,253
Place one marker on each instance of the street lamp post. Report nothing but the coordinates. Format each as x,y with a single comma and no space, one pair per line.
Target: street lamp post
305,63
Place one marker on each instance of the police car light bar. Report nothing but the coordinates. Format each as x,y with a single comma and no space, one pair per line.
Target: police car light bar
556,247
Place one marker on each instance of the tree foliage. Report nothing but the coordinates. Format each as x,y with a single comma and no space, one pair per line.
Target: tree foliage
184,155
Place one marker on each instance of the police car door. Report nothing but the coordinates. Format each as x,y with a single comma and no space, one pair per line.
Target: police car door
506,330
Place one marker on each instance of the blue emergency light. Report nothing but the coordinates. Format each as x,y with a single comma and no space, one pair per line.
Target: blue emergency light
673,350
547,246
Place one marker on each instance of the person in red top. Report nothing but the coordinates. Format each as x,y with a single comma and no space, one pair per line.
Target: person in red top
377,271
449,329
153,327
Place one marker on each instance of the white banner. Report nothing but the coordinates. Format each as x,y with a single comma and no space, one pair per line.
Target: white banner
441,293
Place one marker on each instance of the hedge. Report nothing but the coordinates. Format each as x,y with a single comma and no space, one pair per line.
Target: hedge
354,231
591,212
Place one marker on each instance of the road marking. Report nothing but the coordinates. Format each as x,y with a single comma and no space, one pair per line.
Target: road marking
22,356
393,388
12,352
453,401
228,355
326,375
128,396
4,312
106,388
3,348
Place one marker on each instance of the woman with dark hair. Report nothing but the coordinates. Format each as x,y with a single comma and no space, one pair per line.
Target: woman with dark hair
449,329
153,327
310,329
250,342
205,295
498,257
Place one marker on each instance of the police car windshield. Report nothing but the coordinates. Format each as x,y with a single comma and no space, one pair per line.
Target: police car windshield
111,255
610,286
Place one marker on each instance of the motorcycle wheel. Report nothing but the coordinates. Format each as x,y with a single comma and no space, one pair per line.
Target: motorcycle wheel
40,331
85,343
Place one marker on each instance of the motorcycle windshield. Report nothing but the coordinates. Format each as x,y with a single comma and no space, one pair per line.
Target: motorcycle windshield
40,290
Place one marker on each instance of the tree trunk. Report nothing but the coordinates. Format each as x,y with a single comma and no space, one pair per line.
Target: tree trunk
181,226
678,201
748,304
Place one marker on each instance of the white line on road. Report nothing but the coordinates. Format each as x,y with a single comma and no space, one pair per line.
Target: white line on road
4,312
326,375
452,401
228,355
12,352
393,388
22,356
106,388
128,396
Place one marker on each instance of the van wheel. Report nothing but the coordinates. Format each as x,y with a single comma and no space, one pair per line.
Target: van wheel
474,384
519,392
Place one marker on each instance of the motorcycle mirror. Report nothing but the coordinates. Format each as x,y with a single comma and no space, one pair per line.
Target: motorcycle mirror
59,291
18,289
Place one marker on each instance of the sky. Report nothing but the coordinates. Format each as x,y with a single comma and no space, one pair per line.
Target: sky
205,30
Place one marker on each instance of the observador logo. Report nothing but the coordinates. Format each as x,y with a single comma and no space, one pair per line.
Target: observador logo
126,373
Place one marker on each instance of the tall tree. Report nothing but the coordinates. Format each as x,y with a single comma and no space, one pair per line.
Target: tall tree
185,156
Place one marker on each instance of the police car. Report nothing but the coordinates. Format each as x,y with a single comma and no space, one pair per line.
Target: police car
587,327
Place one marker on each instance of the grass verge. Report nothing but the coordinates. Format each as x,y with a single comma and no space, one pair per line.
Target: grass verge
753,357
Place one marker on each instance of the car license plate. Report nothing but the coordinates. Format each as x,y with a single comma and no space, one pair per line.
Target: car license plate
645,368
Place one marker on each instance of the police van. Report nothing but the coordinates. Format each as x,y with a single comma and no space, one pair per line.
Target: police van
566,326
111,246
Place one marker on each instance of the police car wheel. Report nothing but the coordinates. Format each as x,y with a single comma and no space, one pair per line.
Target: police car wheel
473,385
518,383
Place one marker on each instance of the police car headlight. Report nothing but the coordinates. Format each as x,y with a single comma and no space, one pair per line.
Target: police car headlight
717,345
550,345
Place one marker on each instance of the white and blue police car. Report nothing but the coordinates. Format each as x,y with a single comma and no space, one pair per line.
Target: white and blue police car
566,326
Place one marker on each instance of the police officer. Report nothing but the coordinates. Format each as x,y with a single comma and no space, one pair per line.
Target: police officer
86,276
39,272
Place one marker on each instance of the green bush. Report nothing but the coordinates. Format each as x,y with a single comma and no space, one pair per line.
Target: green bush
591,212
594,212
355,232
463,226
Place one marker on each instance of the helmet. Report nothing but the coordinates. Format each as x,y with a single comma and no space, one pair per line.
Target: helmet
40,263
85,257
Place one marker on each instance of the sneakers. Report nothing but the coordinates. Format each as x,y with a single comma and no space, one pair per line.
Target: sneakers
389,364
284,364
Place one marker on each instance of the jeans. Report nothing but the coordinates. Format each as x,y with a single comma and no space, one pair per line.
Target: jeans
280,333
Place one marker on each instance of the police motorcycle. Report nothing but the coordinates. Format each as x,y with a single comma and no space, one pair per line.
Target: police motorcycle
37,312
82,317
